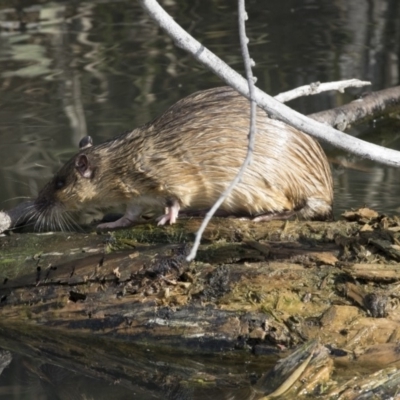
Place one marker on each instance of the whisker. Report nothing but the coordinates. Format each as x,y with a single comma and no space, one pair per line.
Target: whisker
74,226
45,217
65,227
53,218
16,198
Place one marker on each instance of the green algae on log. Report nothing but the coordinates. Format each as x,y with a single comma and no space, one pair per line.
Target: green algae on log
234,230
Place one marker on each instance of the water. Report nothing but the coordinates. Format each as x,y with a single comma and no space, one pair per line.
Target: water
101,68
68,69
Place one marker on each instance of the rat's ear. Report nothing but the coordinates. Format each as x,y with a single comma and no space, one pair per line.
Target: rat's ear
85,142
82,164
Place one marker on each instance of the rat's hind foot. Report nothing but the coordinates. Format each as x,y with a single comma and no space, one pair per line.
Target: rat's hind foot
270,217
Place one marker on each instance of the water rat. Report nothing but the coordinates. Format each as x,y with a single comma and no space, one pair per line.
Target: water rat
185,158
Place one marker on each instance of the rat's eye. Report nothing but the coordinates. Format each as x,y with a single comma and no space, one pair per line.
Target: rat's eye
60,183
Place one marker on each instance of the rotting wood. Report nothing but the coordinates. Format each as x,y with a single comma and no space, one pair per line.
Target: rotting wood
255,287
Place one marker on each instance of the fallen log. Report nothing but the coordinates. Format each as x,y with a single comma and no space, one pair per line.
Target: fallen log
254,289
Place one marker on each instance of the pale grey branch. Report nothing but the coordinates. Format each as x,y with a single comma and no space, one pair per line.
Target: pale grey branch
270,105
317,87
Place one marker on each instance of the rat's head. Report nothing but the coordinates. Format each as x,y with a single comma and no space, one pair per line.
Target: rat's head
74,187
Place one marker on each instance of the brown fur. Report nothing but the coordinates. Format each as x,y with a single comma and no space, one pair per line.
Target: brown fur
190,154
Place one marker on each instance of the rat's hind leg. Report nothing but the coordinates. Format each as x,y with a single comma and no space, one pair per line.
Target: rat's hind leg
130,217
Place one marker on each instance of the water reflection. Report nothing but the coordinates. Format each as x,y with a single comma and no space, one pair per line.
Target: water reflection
28,378
73,367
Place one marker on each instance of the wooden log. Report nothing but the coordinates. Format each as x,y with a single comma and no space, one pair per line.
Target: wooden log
255,288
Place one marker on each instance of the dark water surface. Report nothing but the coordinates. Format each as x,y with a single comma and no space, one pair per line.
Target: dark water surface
68,69
72,68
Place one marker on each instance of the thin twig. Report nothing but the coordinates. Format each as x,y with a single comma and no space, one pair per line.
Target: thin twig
252,131
317,87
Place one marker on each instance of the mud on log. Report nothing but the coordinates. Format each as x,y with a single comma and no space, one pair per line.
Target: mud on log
254,288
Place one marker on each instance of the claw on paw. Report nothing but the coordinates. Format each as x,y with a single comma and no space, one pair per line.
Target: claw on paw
171,214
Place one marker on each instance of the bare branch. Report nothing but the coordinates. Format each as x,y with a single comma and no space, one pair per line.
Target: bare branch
373,104
252,131
317,87
270,105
